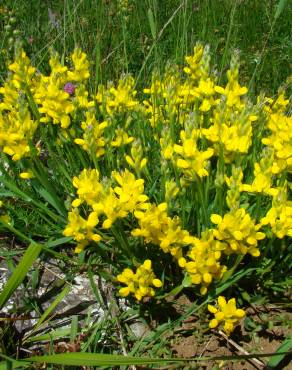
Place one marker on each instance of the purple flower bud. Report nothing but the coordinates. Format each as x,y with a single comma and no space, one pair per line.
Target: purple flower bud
69,88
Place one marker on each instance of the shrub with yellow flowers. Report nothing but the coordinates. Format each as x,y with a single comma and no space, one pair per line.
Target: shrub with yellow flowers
189,174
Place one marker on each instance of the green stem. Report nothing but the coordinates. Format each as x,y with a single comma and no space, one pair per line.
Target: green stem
203,203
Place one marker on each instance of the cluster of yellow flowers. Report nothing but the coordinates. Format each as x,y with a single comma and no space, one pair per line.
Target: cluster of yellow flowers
191,161
120,99
53,93
16,124
50,98
202,262
93,140
238,232
226,314
141,283
213,145
279,217
104,200
160,229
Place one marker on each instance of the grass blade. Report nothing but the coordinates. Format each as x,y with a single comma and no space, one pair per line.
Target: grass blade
152,23
101,359
52,335
52,307
280,8
285,346
20,272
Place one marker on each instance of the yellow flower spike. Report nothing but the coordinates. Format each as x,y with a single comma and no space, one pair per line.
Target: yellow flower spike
93,141
89,189
190,160
279,217
238,231
136,160
198,63
22,70
80,72
201,262
16,130
121,138
139,283
226,314
81,230
157,228
118,99
130,191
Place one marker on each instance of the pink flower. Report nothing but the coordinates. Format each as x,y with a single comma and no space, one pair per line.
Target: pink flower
69,88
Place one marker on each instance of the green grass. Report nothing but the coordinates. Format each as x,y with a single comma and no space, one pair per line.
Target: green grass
121,40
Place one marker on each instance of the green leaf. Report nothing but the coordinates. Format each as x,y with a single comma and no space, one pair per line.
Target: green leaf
52,335
96,359
59,241
6,365
232,280
52,307
280,8
74,328
187,281
20,272
51,200
284,347
152,23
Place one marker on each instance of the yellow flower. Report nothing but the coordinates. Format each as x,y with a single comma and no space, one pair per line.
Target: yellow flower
82,230
157,228
280,140
234,183
10,96
26,175
121,138
226,314
22,70
82,98
81,66
279,217
88,187
238,231
136,160
117,202
202,261
198,63
141,284
16,130
233,91
232,129
54,102
191,161
93,140
263,175
120,98
130,191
